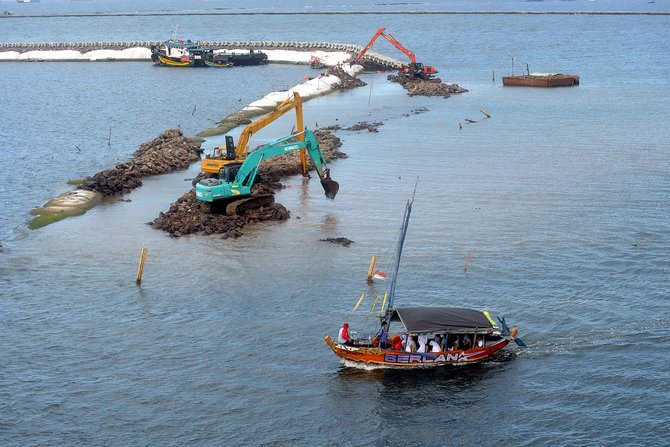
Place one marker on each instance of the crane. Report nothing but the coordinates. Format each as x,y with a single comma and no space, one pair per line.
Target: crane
415,69
229,153
233,187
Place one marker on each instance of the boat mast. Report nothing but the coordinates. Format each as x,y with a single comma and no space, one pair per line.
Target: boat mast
401,241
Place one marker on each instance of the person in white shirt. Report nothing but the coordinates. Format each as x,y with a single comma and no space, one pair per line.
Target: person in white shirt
343,336
422,343
410,346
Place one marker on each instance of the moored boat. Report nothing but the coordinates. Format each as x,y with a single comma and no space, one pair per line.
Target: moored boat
185,53
242,58
454,334
541,80
179,53
214,60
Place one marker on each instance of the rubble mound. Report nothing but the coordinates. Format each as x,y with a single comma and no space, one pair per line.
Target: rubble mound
168,152
347,81
425,87
338,240
185,216
371,127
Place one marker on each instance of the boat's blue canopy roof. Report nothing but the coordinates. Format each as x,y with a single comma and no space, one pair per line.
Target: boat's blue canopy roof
444,319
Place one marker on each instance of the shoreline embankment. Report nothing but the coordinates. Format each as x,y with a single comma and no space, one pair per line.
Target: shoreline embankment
139,50
304,13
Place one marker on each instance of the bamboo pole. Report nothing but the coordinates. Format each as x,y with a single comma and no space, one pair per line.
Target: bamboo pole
374,304
140,268
381,309
465,267
358,303
373,261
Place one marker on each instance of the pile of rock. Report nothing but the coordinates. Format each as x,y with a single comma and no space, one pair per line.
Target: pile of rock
185,216
346,80
168,152
426,87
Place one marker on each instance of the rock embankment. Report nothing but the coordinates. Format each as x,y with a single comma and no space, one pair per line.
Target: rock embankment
168,152
346,80
426,87
185,217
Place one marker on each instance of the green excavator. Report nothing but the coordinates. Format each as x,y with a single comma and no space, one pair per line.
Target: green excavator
232,188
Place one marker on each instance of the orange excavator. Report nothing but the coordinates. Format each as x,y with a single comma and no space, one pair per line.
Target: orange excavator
414,69
229,153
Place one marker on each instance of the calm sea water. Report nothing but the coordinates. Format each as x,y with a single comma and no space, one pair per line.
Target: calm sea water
562,197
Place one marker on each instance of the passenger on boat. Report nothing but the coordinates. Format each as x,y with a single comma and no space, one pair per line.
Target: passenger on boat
422,343
435,344
444,343
411,344
455,346
467,342
343,336
382,336
397,343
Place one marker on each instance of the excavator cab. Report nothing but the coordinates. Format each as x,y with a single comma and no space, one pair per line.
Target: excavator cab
229,172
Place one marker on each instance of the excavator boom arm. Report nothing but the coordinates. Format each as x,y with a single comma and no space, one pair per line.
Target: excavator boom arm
390,38
399,46
212,165
294,102
246,175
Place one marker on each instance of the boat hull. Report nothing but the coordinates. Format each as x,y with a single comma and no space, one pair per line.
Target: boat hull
541,81
168,62
399,359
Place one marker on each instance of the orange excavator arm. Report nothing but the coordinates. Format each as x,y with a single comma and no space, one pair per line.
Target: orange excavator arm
390,38
222,156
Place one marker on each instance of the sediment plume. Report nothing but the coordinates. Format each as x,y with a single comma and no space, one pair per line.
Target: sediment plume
185,216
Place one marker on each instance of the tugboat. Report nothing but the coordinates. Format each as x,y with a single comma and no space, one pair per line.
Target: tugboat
179,53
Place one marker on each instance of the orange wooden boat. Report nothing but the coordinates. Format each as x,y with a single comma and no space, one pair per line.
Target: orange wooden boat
541,80
456,334
444,322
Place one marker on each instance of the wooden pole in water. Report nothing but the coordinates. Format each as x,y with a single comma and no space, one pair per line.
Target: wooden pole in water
109,137
370,95
465,267
373,261
140,268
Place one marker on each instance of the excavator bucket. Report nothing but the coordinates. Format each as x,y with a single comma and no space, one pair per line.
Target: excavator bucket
330,186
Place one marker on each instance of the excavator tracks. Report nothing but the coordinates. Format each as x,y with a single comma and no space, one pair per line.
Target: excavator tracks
240,206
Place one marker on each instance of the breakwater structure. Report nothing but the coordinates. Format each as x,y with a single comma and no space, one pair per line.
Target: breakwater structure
139,50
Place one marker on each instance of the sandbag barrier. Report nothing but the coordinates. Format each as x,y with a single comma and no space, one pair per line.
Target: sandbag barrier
376,60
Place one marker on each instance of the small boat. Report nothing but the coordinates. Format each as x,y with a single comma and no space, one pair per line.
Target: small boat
214,60
541,80
242,58
459,335
179,53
